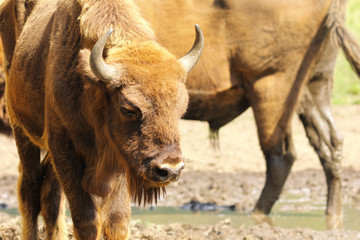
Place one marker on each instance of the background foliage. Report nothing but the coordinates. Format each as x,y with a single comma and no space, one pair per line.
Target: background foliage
347,85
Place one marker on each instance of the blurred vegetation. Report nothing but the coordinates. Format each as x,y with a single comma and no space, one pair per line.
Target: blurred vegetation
347,85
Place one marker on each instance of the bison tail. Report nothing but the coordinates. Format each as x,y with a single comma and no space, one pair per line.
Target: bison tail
350,47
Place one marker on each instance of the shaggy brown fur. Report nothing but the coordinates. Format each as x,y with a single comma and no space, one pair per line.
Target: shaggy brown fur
265,54
107,141
4,119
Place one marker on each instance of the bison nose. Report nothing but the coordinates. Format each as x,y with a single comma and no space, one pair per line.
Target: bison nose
167,173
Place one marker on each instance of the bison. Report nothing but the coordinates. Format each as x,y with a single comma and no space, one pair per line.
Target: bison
274,56
103,104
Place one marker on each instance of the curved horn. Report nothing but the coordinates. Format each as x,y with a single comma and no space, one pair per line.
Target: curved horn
100,69
192,57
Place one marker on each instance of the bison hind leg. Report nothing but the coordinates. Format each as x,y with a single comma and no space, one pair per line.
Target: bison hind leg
326,139
52,203
29,184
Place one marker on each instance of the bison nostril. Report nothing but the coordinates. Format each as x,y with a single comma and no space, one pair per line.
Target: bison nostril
161,173
165,174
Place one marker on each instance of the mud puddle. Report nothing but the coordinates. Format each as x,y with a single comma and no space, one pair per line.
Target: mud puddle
284,219
289,212
293,210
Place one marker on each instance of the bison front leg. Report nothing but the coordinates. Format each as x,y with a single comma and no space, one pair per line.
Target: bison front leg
316,116
69,168
279,160
29,184
273,100
52,203
115,211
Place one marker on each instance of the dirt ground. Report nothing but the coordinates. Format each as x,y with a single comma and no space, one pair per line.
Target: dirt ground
232,176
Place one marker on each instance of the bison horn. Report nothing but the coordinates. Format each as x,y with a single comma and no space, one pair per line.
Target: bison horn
192,57
98,66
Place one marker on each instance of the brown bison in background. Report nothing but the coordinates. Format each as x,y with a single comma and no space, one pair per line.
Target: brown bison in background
105,106
268,55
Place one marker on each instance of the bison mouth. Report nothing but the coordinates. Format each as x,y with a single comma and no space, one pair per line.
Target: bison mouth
147,178
145,191
148,186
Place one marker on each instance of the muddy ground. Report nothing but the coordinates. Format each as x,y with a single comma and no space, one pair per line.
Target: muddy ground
232,176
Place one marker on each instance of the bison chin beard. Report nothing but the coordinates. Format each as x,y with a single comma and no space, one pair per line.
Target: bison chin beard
143,190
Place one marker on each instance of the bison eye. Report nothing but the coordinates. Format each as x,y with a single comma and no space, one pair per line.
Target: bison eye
130,114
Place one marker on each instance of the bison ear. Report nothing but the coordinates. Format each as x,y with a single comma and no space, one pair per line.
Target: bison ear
84,64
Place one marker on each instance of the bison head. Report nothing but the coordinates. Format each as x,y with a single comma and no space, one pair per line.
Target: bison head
145,99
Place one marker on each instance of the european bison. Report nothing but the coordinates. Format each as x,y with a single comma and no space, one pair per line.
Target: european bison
104,105
267,55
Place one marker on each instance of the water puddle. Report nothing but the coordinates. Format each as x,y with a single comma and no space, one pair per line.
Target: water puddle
313,219
285,214
293,210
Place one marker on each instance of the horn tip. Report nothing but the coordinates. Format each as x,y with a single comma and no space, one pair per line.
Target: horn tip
199,33
197,27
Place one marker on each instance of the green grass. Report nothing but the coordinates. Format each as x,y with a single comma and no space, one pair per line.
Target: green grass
347,84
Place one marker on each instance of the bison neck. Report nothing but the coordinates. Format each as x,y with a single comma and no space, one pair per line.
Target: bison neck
99,176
